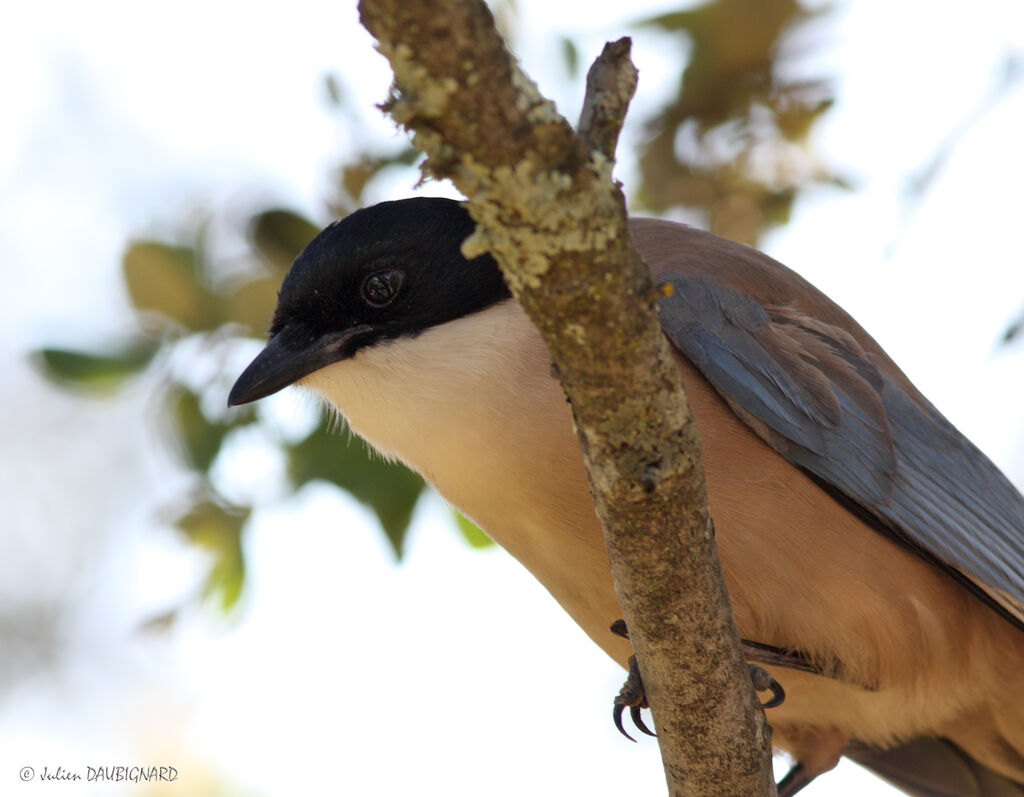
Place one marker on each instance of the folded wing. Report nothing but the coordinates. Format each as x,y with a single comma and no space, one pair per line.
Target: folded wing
809,389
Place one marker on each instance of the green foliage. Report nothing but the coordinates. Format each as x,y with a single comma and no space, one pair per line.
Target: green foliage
165,280
570,56
390,490
356,176
278,236
335,91
471,532
183,306
97,373
200,438
1013,331
250,304
169,284
217,529
734,141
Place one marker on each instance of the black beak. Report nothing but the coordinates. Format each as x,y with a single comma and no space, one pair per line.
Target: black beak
290,355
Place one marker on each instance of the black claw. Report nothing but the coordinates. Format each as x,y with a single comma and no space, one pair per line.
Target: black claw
634,712
619,629
617,719
763,681
778,697
632,694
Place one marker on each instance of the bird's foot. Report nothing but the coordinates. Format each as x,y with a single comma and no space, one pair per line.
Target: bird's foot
633,696
763,681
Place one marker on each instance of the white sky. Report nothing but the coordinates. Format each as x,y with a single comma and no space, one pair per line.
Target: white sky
454,672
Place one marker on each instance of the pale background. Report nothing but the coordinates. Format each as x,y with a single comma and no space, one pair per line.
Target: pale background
452,673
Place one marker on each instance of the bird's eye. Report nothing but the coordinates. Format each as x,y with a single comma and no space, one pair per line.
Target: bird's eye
380,288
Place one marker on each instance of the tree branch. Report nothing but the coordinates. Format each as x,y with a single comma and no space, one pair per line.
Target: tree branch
547,208
611,83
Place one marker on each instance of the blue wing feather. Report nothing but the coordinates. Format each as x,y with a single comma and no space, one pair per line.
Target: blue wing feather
830,410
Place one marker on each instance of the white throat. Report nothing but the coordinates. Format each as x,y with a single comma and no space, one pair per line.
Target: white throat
469,404
473,407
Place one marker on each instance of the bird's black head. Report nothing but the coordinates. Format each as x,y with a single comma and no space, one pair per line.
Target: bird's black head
384,272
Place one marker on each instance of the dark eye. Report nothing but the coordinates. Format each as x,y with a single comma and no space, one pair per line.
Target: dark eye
380,288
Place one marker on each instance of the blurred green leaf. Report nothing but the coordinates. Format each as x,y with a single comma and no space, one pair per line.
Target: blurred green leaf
200,437
472,532
278,236
218,529
160,623
570,56
1014,330
355,176
213,526
165,279
251,304
734,141
390,489
226,580
99,373
335,92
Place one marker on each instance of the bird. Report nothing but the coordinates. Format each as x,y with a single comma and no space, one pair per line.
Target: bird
859,532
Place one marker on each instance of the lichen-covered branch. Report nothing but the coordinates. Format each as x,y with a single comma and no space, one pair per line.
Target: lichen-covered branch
611,82
547,208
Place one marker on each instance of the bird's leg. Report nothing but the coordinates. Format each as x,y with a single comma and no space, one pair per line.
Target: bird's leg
795,660
633,696
780,657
